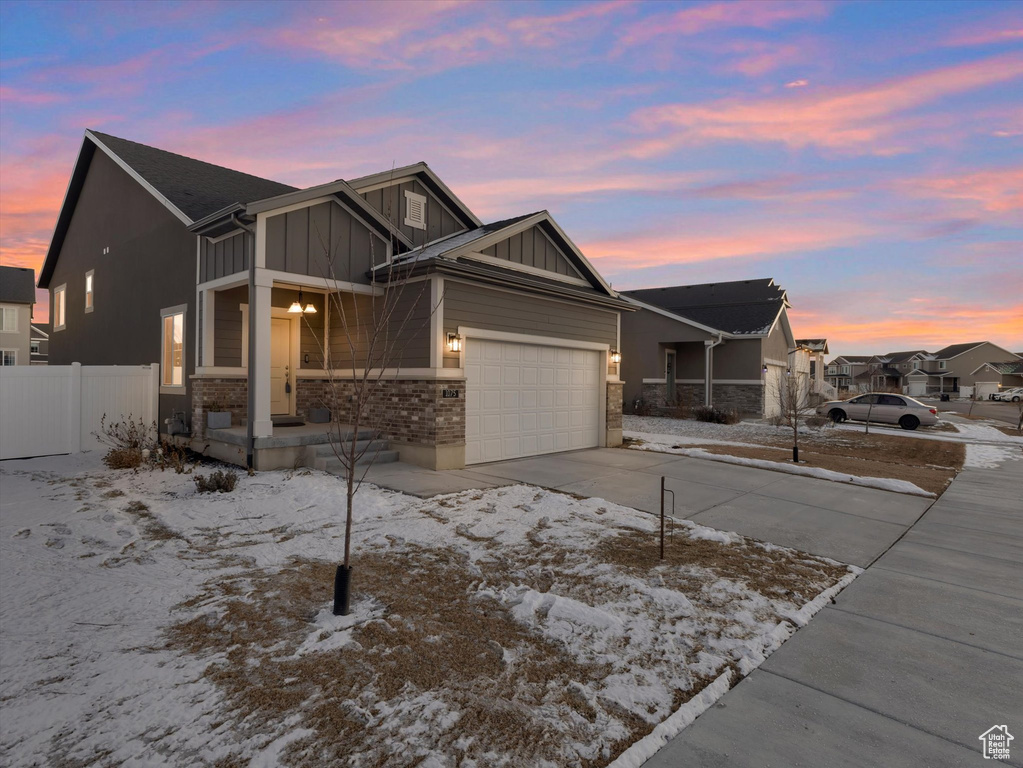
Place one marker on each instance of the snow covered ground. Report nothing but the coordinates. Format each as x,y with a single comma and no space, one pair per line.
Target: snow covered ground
142,624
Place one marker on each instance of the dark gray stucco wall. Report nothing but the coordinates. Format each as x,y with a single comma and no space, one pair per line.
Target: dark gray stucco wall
474,306
150,265
533,249
323,240
390,203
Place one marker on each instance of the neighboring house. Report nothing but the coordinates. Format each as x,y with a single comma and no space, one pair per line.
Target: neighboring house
992,377
918,372
721,344
160,257
17,297
811,354
39,343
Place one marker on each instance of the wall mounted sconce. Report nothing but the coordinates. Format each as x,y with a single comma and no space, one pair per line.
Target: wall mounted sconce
616,356
296,307
454,342
788,371
764,371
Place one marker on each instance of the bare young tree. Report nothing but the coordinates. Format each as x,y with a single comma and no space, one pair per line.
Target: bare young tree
369,331
796,402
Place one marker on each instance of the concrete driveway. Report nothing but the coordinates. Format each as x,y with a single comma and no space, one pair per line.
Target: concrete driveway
845,522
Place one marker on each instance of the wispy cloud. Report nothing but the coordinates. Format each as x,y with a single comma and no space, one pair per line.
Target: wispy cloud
998,190
867,119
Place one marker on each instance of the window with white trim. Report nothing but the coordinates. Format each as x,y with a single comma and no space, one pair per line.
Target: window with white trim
59,309
415,210
8,357
845,369
172,357
89,276
34,347
8,319
941,365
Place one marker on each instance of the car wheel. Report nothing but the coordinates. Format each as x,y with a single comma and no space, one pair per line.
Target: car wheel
1015,398
837,415
909,422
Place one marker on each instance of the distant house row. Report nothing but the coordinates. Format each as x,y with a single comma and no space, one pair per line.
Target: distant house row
979,367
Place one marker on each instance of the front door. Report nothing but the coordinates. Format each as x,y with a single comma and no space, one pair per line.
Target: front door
281,386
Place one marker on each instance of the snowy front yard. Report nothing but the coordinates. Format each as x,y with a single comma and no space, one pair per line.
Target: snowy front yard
144,624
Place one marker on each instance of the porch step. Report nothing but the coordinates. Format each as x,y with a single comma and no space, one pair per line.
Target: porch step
373,450
334,466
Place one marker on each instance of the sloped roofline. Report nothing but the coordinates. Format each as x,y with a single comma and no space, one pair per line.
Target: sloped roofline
339,188
540,217
992,365
424,171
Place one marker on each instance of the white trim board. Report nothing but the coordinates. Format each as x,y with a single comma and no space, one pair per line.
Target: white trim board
513,265
467,332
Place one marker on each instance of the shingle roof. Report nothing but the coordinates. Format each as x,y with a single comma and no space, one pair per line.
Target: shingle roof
956,349
898,357
196,188
739,307
17,285
853,358
1010,366
814,344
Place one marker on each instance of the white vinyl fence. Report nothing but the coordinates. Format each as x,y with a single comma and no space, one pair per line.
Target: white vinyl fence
48,409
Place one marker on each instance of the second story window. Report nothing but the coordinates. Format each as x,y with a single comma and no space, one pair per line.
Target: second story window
8,319
941,365
845,369
59,309
415,210
88,290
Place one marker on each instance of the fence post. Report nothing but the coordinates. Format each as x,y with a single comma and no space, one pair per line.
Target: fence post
154,395
74,407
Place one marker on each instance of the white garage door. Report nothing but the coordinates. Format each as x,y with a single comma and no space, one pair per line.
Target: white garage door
772,391
527,399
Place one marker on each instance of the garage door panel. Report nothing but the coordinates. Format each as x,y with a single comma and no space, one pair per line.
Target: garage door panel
524,399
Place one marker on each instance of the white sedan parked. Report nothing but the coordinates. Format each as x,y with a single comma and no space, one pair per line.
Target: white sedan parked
1015,394
883,408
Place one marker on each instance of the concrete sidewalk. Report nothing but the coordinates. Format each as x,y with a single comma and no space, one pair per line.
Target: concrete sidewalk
849,523
915,660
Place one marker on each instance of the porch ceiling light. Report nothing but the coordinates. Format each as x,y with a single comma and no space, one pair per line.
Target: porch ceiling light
454,342
296,307
616,356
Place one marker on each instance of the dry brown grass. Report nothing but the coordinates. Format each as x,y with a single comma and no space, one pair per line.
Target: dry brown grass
1010,431
931,468
437,635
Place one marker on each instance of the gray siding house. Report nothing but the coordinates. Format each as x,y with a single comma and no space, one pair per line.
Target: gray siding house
17,298
722,344
507,333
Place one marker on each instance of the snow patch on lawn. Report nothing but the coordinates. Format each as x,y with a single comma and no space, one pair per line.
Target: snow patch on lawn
990,456
91,588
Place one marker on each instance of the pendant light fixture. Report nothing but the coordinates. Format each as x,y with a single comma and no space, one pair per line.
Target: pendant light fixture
296,307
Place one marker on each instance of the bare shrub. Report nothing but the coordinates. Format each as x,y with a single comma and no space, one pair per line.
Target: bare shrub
123,458
216,482
641,407
716,415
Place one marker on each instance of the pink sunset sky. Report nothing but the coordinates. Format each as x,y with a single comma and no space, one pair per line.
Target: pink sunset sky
868,156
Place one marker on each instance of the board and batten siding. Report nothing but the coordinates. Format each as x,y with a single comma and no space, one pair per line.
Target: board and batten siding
228,330
323,240
474,306
408,335
222,258
533,249
390,203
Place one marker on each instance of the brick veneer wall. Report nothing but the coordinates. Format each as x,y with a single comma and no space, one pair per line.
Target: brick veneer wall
405,411
231,394
747,399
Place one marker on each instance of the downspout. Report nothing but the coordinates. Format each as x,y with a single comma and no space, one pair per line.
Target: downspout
708,367
250,440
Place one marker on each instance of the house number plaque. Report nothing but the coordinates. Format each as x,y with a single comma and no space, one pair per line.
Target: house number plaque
450,393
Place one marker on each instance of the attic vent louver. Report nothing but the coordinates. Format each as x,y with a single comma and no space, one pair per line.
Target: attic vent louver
415,210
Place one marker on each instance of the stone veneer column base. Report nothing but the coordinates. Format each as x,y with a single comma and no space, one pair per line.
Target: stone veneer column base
613,415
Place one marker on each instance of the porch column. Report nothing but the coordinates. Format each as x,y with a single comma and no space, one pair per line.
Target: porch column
259,324
209,314
708,374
